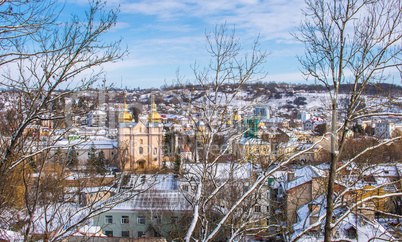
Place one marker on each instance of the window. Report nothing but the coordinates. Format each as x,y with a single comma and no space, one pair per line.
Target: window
155,151
140,234
141,150
141,141
109,233
125,234
124,219
257,209
109,219
173,220
141,220
157,220
185,188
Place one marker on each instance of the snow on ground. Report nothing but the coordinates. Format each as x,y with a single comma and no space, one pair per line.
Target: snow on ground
313,100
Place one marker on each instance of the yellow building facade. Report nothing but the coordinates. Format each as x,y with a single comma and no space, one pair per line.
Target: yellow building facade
140,144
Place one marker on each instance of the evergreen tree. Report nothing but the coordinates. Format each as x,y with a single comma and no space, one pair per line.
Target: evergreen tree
72,158
177,163
100,162
92,156
170,144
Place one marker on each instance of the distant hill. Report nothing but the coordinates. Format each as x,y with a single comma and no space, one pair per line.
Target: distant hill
273,89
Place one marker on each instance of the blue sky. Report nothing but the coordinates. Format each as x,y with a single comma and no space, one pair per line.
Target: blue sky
164,35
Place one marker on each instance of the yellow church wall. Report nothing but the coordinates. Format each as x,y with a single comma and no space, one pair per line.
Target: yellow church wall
140,144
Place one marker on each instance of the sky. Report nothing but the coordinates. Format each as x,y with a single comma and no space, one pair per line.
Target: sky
163,36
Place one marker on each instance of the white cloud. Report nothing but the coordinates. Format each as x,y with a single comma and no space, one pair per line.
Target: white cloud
119,26
273,19
165,34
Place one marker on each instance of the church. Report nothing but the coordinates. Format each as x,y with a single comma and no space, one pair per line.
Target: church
140,144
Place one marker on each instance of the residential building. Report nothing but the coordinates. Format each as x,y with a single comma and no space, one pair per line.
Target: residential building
82,148
157,209
386,128
301,187
97,118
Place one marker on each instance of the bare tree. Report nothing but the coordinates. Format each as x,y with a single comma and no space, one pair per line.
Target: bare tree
22,20
208,106
349,42
40,55
228,198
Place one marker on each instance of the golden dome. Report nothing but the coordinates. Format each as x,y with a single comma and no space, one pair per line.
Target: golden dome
154,116
229,122
237,117
125,116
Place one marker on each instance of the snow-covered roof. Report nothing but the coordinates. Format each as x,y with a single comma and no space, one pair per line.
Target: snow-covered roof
87,230
304,213
151,181
220,170
88,144
274,120
170,116
385,170
253,141
98,112
131,124
366,230
292,144
9,235
151,200
279,177
95,189
323,166
62,215
308,146
303,175
167,125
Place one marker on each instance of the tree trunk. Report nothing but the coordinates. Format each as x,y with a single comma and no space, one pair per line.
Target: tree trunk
331,176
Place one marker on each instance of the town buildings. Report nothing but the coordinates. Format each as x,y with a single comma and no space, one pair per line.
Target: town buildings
292,197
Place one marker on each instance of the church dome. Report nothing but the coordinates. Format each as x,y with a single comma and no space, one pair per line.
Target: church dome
154,116
236,117
125,116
